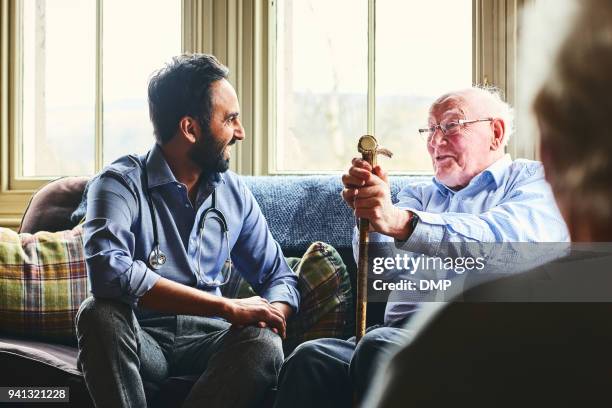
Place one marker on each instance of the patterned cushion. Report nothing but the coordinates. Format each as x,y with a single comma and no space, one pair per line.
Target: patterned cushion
43,281
326,300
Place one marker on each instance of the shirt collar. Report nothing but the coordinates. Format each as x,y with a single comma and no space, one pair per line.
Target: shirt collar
159,173
495,171
498,169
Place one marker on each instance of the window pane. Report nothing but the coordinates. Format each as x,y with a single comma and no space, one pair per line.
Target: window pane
321,107
58,108
423,49
139,37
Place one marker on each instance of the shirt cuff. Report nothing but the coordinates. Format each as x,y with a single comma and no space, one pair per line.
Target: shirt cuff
283,293
426,237
427,217
144,281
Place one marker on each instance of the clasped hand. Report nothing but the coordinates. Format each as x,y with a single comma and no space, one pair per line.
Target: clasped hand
258,311
367,192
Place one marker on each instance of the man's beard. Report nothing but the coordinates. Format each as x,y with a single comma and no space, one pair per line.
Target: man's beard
208,154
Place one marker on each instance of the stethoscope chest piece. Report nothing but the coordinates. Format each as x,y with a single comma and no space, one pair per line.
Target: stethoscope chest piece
157,258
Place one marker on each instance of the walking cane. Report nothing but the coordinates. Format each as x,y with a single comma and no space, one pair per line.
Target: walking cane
368,147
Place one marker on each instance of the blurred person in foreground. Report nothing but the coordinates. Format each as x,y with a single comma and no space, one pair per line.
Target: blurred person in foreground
495,349
478,195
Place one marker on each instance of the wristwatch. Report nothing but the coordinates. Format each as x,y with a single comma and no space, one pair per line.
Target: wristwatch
414,220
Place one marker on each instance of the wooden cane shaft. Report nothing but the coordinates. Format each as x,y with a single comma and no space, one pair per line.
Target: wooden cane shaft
362,268
362,279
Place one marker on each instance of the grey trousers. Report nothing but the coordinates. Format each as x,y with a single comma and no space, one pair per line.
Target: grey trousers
117,353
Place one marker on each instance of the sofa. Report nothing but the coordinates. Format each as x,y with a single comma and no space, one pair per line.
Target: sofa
299,210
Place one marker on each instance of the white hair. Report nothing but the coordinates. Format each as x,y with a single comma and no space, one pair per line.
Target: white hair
499,108
489,100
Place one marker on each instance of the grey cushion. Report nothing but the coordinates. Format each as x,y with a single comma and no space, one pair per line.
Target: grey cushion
39,364
36,363
59,356
51,206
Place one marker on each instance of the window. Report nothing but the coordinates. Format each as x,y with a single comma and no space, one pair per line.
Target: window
58,88
74,73
83,68
346,68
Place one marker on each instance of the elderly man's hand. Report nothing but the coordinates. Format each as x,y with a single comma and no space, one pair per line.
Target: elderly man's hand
367,191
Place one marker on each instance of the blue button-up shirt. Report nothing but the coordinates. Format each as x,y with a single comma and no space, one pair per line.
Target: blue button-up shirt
118,234
510,201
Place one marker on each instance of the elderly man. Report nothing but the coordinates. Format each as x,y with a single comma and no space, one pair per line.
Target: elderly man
548,342
478,194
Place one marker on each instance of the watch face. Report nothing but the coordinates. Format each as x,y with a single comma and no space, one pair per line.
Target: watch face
367,143
414,221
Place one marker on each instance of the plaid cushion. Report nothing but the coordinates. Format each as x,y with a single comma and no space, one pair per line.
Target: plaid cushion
326,301
43,281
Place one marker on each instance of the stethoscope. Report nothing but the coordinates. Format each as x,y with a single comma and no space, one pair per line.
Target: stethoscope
157,258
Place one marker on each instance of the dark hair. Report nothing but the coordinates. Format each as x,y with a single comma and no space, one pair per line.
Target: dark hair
182,88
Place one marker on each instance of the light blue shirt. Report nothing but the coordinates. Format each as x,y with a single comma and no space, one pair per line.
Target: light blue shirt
118,234
510,201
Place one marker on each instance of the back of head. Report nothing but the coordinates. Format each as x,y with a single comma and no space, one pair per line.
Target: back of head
182,88
574,108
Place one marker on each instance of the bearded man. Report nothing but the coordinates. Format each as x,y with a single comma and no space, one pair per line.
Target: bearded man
158,236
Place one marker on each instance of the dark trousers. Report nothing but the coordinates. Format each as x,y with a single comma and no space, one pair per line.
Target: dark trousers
332,372
117,353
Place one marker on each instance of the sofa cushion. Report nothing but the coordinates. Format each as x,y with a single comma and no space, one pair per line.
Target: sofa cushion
42,284
50,208
304,209
59,356
38,364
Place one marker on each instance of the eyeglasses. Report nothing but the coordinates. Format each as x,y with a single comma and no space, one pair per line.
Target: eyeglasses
449,128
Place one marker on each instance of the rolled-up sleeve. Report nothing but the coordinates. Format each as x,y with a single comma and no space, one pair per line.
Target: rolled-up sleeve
109,243
260,259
